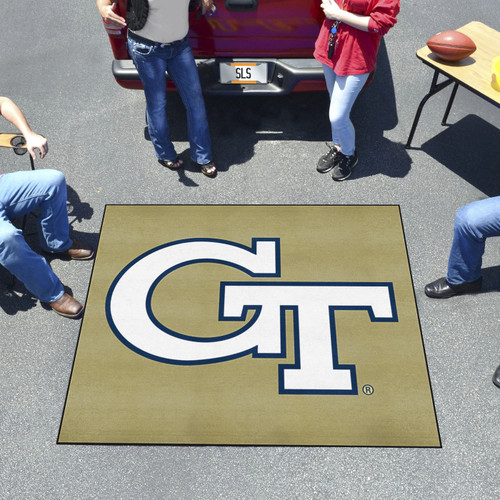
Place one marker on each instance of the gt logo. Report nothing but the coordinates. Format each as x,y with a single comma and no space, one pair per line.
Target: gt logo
316,369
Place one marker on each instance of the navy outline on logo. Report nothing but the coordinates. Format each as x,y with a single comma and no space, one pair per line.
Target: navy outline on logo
252,249
256,309
296,333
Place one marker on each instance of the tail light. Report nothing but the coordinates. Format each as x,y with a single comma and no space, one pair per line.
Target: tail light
112,30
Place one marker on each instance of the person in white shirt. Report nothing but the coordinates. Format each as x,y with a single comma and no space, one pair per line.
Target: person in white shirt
158,43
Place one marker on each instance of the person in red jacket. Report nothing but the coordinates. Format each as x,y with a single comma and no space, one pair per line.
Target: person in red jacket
347,47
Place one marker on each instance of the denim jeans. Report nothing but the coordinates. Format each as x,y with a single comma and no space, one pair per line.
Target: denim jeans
343,91
20,193
473,224
151,61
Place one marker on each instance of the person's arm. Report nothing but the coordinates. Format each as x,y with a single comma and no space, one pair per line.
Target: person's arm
10,111
334,12
206,5
106,9
381,19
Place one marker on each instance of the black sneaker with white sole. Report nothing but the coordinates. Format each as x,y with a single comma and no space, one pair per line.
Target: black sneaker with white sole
343,169
328,160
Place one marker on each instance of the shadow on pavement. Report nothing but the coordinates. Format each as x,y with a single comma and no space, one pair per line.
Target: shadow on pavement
14,299
375,112
491,279
471,149
241,122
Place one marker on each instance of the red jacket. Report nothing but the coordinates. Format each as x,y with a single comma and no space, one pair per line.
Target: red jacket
356,50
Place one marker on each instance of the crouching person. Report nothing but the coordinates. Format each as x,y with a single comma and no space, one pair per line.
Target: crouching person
21,193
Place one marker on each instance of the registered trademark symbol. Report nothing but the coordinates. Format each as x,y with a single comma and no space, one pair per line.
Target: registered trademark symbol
368,390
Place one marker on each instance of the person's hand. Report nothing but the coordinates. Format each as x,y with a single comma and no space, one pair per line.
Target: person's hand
332,10
36,141
206,5
110,16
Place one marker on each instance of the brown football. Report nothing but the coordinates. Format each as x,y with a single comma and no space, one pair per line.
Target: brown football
451,45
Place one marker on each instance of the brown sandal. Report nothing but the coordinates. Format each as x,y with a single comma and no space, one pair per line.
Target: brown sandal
209,169
172,164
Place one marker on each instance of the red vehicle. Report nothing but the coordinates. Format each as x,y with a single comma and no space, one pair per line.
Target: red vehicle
246,47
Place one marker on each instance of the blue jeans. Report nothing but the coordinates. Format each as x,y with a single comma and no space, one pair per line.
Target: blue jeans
151,61
473,224
343,91
20,193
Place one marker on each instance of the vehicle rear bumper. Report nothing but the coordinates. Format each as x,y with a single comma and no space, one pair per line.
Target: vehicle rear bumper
284,76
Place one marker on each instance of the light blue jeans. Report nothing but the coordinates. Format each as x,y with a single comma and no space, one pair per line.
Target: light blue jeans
343,92
20,193
151,61
473,224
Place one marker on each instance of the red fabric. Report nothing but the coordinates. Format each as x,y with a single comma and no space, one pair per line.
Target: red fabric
356,50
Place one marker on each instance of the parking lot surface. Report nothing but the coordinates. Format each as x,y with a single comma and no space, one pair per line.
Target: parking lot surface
56,65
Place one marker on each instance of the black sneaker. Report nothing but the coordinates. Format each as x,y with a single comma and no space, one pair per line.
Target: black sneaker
344,167
328,161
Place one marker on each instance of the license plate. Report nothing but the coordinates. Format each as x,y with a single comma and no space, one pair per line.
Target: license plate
238,72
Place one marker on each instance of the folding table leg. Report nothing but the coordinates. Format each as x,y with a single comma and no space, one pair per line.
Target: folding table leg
450,104
435,88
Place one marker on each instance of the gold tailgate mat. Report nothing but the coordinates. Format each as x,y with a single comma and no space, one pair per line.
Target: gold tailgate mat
251,325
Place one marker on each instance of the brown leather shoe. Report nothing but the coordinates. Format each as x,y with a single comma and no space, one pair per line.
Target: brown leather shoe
67,306
79,251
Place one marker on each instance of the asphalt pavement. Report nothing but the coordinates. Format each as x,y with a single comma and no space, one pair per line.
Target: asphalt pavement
55,64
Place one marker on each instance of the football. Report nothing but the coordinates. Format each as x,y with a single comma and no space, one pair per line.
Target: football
451,45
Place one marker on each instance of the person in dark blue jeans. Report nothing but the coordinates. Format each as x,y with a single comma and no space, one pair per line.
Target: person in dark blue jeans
157,45
474,223
21,193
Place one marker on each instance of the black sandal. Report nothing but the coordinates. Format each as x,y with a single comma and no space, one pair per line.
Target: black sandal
172,164
209,169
